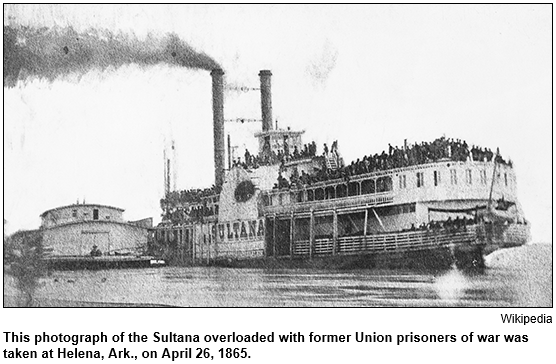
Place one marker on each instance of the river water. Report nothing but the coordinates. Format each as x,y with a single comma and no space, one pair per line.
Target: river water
515,277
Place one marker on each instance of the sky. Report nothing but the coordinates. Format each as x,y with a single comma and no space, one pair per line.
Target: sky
365,75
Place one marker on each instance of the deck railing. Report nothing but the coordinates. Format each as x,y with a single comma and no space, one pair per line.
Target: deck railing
387,242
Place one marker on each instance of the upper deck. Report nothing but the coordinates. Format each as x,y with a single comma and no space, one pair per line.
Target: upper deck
432,182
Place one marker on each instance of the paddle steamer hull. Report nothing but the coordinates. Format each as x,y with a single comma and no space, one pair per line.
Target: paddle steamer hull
431,204
435,249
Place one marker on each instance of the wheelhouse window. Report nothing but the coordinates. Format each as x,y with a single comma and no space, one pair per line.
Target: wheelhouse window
468,176
402,181
436,177
483,175
420,179
453,177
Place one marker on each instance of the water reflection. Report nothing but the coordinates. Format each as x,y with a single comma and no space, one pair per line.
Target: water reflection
451,286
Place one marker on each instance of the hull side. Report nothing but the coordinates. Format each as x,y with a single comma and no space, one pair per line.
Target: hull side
100,263
440,258
464,247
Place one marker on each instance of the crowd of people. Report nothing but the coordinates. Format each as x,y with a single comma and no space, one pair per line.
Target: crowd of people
420,153
179,206
195,213
397,157
191,196
306,179
252,161
457,224
450,224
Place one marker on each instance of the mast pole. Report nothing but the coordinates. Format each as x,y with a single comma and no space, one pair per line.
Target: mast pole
493,177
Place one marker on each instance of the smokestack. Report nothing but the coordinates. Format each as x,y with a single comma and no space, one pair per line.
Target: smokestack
266,99
218,125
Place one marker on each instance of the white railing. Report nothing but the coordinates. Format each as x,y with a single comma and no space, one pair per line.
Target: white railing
323,247
388,242
301,247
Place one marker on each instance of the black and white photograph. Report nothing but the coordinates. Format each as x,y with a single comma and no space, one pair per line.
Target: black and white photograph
278,156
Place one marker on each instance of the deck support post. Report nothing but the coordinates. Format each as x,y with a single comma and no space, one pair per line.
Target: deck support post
365,227
292,234
335,233
214,235
209,240
311,234
274,236
366,222
194,242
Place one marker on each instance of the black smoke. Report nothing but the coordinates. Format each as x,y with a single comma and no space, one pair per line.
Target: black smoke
50,53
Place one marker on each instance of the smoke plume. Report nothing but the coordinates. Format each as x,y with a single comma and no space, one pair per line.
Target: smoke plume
50,53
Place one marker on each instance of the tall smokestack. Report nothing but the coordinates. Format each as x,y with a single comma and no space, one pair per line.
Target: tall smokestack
218,125
266,99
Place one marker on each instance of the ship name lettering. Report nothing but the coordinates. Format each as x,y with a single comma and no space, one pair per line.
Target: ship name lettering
236,228
243,233
260,232
230,235
239,230
221,231
252,228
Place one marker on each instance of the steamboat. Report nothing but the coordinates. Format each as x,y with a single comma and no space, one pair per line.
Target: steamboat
431,204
